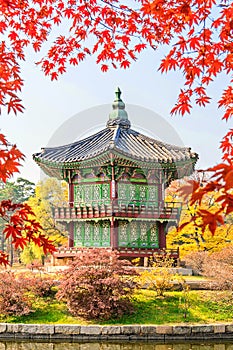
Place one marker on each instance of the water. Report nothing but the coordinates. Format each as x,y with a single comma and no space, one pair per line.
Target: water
116,346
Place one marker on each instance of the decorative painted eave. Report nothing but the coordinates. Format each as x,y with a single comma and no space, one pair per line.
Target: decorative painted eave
120,141
181,168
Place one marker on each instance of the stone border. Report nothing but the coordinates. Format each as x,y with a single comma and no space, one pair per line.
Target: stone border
65,332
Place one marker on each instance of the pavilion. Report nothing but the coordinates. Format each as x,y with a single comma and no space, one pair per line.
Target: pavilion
117,180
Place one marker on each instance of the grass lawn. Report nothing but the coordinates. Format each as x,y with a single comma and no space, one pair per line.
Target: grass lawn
200,307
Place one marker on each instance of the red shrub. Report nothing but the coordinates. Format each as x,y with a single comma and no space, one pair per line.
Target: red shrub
13,299
218,266
42,286
196,261
97,285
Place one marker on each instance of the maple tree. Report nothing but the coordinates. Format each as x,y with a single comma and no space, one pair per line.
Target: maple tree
19,223
198,36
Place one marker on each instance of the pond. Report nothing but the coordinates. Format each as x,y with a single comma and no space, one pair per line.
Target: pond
8,345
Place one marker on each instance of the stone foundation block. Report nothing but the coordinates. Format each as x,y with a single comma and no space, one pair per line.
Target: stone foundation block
127,330
148,330
219,328
90,330
203,329
13,328
67,329
2,327
164,330
181,330
120,337
160,337
229,328
111,330
37,329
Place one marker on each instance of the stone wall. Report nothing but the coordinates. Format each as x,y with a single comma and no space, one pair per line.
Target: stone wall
126,332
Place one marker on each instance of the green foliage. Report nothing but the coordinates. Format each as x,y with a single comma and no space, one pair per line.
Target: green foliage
204,307
18,191
97,285
13,298
46,310
184,301
158,276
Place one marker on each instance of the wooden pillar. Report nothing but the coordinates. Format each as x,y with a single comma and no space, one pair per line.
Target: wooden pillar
113,182
145,261
162,235
113,227
113,234
71,195
71,235
53,260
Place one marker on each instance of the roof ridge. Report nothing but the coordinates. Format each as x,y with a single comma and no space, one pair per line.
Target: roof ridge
73,144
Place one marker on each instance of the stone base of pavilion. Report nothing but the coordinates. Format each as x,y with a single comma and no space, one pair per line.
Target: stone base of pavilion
63,255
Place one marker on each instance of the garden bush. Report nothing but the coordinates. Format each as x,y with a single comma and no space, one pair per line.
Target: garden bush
197,261
158,276
98,285
13,298
218,266
41,285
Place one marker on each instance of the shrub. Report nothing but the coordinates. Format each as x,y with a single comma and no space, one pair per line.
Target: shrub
97,285
158,276
13,298
218,266
41,286
225,255
196,261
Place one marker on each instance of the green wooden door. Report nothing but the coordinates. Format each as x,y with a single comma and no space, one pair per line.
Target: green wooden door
91,194
139,194
138,234
92,234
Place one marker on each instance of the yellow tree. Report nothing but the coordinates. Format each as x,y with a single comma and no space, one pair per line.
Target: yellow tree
190,236
48,194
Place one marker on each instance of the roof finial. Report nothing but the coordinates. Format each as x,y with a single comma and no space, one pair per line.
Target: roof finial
118,116
118,94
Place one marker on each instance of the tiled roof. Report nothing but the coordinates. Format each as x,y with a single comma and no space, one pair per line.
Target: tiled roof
124,141
117,138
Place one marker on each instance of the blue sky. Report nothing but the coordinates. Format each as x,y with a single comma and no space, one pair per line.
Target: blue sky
51,105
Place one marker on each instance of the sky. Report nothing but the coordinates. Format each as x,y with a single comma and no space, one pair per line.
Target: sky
78,104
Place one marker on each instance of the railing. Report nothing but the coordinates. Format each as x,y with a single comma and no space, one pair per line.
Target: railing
63,252
148,210
147,252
